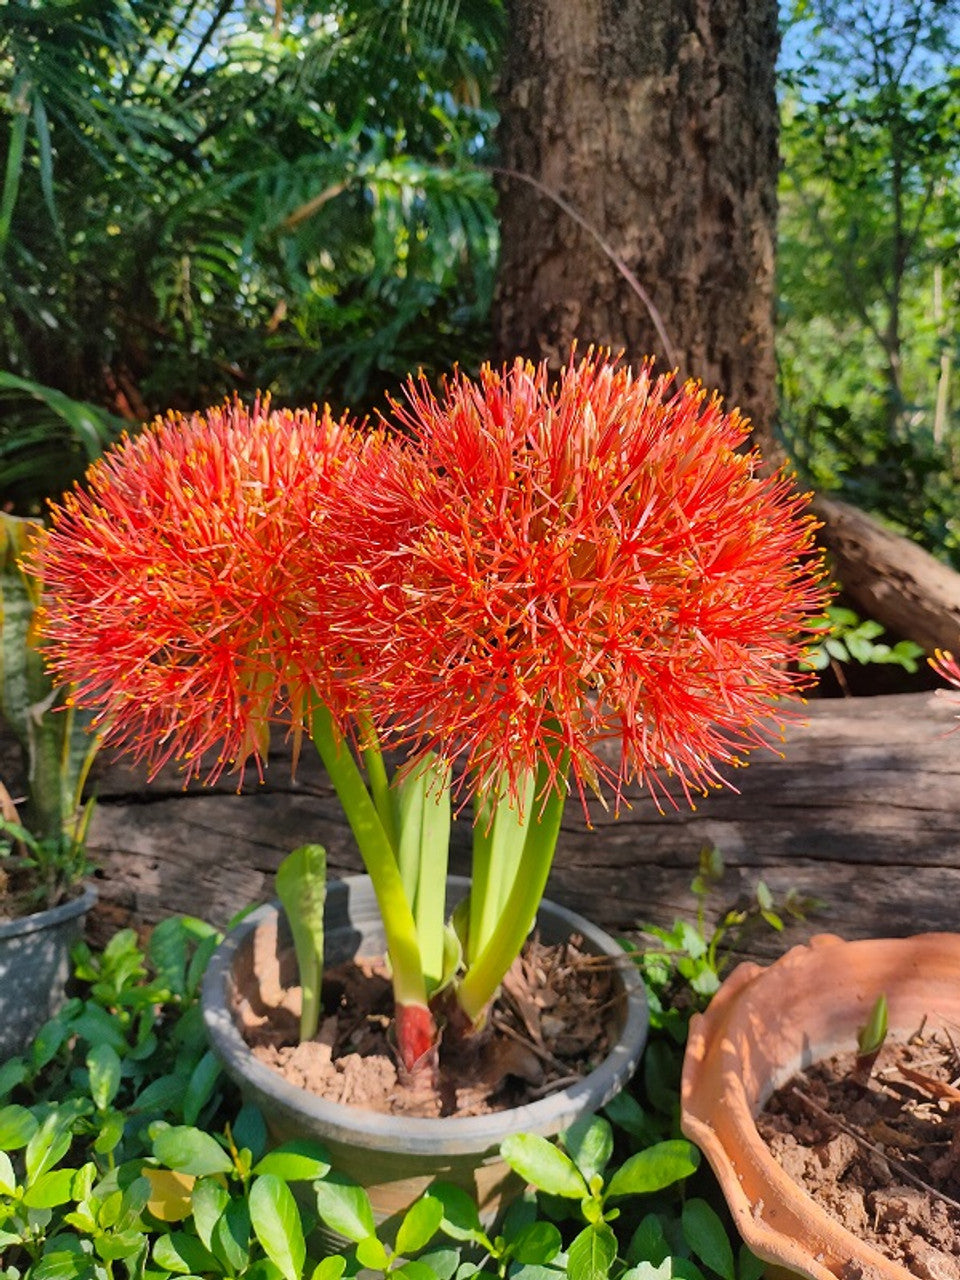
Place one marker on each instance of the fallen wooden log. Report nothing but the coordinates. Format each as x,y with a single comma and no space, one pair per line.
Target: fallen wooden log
861,810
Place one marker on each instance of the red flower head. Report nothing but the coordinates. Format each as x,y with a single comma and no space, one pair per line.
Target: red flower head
175,585
555,567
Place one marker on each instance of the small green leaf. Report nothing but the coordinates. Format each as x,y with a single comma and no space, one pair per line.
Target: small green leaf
590,1144
443,1262
749,1266
98,1027
61,1264
191,1150
536,1244
652,1170
50,1189
415,1270
167,950
17,1127
592,1253
764,896
420,1224
707,1237
200,1086
12,1073
299,1160
372,1254
873,1033
208,1200
250,1130
461,1220
648,1243
111,1131
345,1207
184,1255
329,1268
230,1241
541,1164
276,1224
103,1064
8,1179
49,1145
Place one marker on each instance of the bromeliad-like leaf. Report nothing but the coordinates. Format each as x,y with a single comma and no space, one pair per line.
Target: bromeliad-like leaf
302,888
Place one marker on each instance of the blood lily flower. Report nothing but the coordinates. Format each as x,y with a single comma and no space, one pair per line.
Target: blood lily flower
583,582
555,570
176,580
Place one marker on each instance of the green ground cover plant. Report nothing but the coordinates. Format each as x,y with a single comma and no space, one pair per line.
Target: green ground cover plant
126,1153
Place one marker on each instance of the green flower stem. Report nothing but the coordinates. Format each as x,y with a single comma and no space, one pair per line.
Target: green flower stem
423,804
409,790
499,832
378,856
431,902
376,770
479,984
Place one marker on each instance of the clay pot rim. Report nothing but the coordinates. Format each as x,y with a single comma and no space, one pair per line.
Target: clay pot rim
712,1055
454,1135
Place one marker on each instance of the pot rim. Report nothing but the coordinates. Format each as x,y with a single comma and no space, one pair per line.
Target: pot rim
420,1135
722,1088
50,917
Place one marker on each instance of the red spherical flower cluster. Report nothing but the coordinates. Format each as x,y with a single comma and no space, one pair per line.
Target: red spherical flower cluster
176,581
554,567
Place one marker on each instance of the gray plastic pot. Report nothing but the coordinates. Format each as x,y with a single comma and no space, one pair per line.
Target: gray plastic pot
394,1157
34,968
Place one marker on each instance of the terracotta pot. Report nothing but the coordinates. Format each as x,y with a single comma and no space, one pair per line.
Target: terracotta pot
396,1158
766,1024
34,968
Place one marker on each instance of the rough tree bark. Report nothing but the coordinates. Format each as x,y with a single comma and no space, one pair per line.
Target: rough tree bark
656,122
638,210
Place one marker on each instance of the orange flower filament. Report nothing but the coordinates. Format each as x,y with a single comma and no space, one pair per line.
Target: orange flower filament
560,568
176,583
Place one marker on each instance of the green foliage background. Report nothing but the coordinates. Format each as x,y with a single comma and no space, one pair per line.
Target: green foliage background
869,320
208,196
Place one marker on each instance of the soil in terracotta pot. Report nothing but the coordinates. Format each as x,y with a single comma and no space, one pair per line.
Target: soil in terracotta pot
550,1026
883,1158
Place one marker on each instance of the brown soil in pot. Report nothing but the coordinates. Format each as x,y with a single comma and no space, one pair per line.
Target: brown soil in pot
550,1026
882,1158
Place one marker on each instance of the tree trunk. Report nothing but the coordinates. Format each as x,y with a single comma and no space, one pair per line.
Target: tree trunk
655,121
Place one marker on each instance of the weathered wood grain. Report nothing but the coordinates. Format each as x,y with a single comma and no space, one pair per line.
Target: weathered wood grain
861,809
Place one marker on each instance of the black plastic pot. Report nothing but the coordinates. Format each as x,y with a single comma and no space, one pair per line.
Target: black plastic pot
395,1157
34,968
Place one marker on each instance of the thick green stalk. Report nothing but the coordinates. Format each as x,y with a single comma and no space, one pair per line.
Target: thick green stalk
373,762
479,984
499,832
378,856
301,884
431,903
423,805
